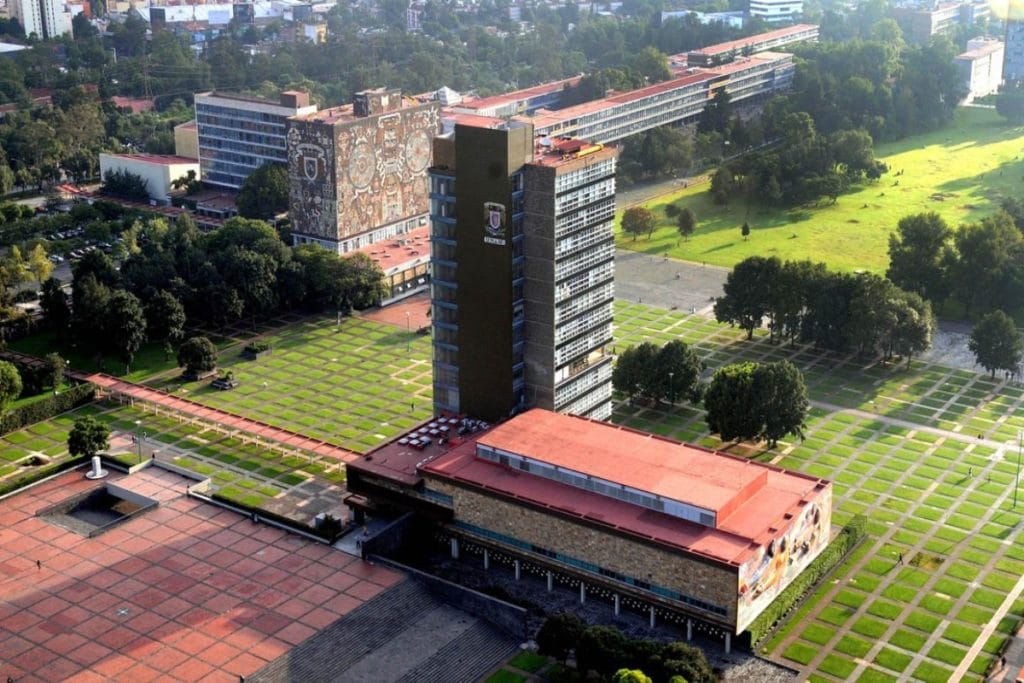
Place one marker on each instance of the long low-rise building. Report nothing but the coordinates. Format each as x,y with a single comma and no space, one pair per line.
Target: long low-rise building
674,530
159,171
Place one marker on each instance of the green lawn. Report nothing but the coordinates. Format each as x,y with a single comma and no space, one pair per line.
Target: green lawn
961,172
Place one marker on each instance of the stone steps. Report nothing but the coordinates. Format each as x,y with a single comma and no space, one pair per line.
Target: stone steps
468,658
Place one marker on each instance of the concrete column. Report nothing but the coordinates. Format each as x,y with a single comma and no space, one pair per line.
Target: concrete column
618,604
583,592
455,548
728,642
652,615
519,570
689,629
551,581
487,559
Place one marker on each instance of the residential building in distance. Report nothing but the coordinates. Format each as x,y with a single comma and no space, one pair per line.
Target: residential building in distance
677,532
522,266
921,21
981,67
158,170
358,173
186,139
239,134
1013,59
776,10
46,19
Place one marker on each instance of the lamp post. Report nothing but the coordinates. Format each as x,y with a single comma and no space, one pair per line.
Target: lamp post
672,388
408,332
138,439
1016,484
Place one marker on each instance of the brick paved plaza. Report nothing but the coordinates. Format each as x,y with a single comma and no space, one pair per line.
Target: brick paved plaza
185,592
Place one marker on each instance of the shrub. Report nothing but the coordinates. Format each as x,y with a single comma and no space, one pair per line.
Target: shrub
832,555
559,634
46,408
39,473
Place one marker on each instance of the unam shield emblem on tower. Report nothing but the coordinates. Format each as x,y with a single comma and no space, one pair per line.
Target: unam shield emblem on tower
494,223
313,158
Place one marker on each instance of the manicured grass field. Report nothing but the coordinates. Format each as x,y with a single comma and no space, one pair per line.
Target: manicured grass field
960,172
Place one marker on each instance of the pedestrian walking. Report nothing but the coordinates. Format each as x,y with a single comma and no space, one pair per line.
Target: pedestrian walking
900,560
39,565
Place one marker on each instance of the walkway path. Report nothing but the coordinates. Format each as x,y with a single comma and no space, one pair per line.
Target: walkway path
285,437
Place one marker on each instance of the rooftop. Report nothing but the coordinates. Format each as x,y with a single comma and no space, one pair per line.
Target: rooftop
981,51
413,245
561,151
517,95
346,112
752,500
753,41
184,591
162,159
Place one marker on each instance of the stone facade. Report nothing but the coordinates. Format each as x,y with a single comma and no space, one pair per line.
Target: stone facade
705,580
351,174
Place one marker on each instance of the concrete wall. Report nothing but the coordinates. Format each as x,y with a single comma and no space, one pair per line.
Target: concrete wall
186,140
704,580
539,290
158,176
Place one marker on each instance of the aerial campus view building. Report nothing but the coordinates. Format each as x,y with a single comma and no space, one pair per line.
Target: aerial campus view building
678,532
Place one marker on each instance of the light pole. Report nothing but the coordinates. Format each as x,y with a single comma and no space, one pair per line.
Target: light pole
138,439
408,333
672,388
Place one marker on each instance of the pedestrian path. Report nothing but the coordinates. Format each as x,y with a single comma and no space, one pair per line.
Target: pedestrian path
132,392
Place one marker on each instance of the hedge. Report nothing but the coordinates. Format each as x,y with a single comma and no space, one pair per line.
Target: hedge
38,473
847,539
46,408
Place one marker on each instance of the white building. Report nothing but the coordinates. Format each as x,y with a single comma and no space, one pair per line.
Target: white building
981,67
45,18
776,10
158,170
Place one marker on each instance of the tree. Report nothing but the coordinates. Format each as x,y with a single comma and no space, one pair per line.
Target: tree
637,220
745,230
747,293
88,437
781,396
723,185
54,305
633,369
126,185
757,401
916,253
264,194
559,635
717,113
686,222
996,343
55,366
983,253
165,318
631,676
124,325
915,326
10,384
198,356
1010,103
677,372
38,264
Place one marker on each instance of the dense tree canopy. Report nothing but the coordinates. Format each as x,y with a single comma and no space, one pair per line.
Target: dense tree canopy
757,401
264,194
88,437
996,343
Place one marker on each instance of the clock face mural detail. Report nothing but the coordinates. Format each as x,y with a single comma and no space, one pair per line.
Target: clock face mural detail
350,174
362,165
417,151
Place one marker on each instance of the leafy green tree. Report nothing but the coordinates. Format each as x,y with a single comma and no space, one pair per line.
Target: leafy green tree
38,264
124,325
677,369
10,384
716,114
560,634
601,649
781,397
652,64
757,401
983,252
90,299
88,437
165,318
197,356
730,402
1010,103
633,368
996,343
745,230
126,185
631,676
686,222
264,194
688,662
55,367
747,293
916,252
54,305
637,220
723,185
914,328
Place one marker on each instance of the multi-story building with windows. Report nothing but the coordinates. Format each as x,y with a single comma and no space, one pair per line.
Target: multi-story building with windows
239,134
981,67
522,264
1013,57
776,10
45,18
357,173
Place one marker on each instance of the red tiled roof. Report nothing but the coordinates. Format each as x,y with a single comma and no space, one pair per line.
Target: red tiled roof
518,95
751,499
740,43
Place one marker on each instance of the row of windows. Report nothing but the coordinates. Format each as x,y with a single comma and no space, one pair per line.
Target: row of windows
597,381
590,567
584,239
571,201
580,346
584,281
596,405
603,294
240,113
584,260
587,174
598,317
598,212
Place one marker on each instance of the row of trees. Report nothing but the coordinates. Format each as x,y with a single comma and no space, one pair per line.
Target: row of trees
804,301
981,265
179,277
655,374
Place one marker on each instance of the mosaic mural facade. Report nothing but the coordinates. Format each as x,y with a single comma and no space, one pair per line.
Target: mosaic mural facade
349,174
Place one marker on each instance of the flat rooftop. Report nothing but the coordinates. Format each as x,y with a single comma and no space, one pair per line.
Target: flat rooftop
522,95
754,498
346,112
183,592
411,246
562,152
753,41
160,159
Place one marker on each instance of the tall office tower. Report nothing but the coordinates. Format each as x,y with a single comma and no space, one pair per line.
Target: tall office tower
523,266
1013,57
357,174
45,18
239,134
